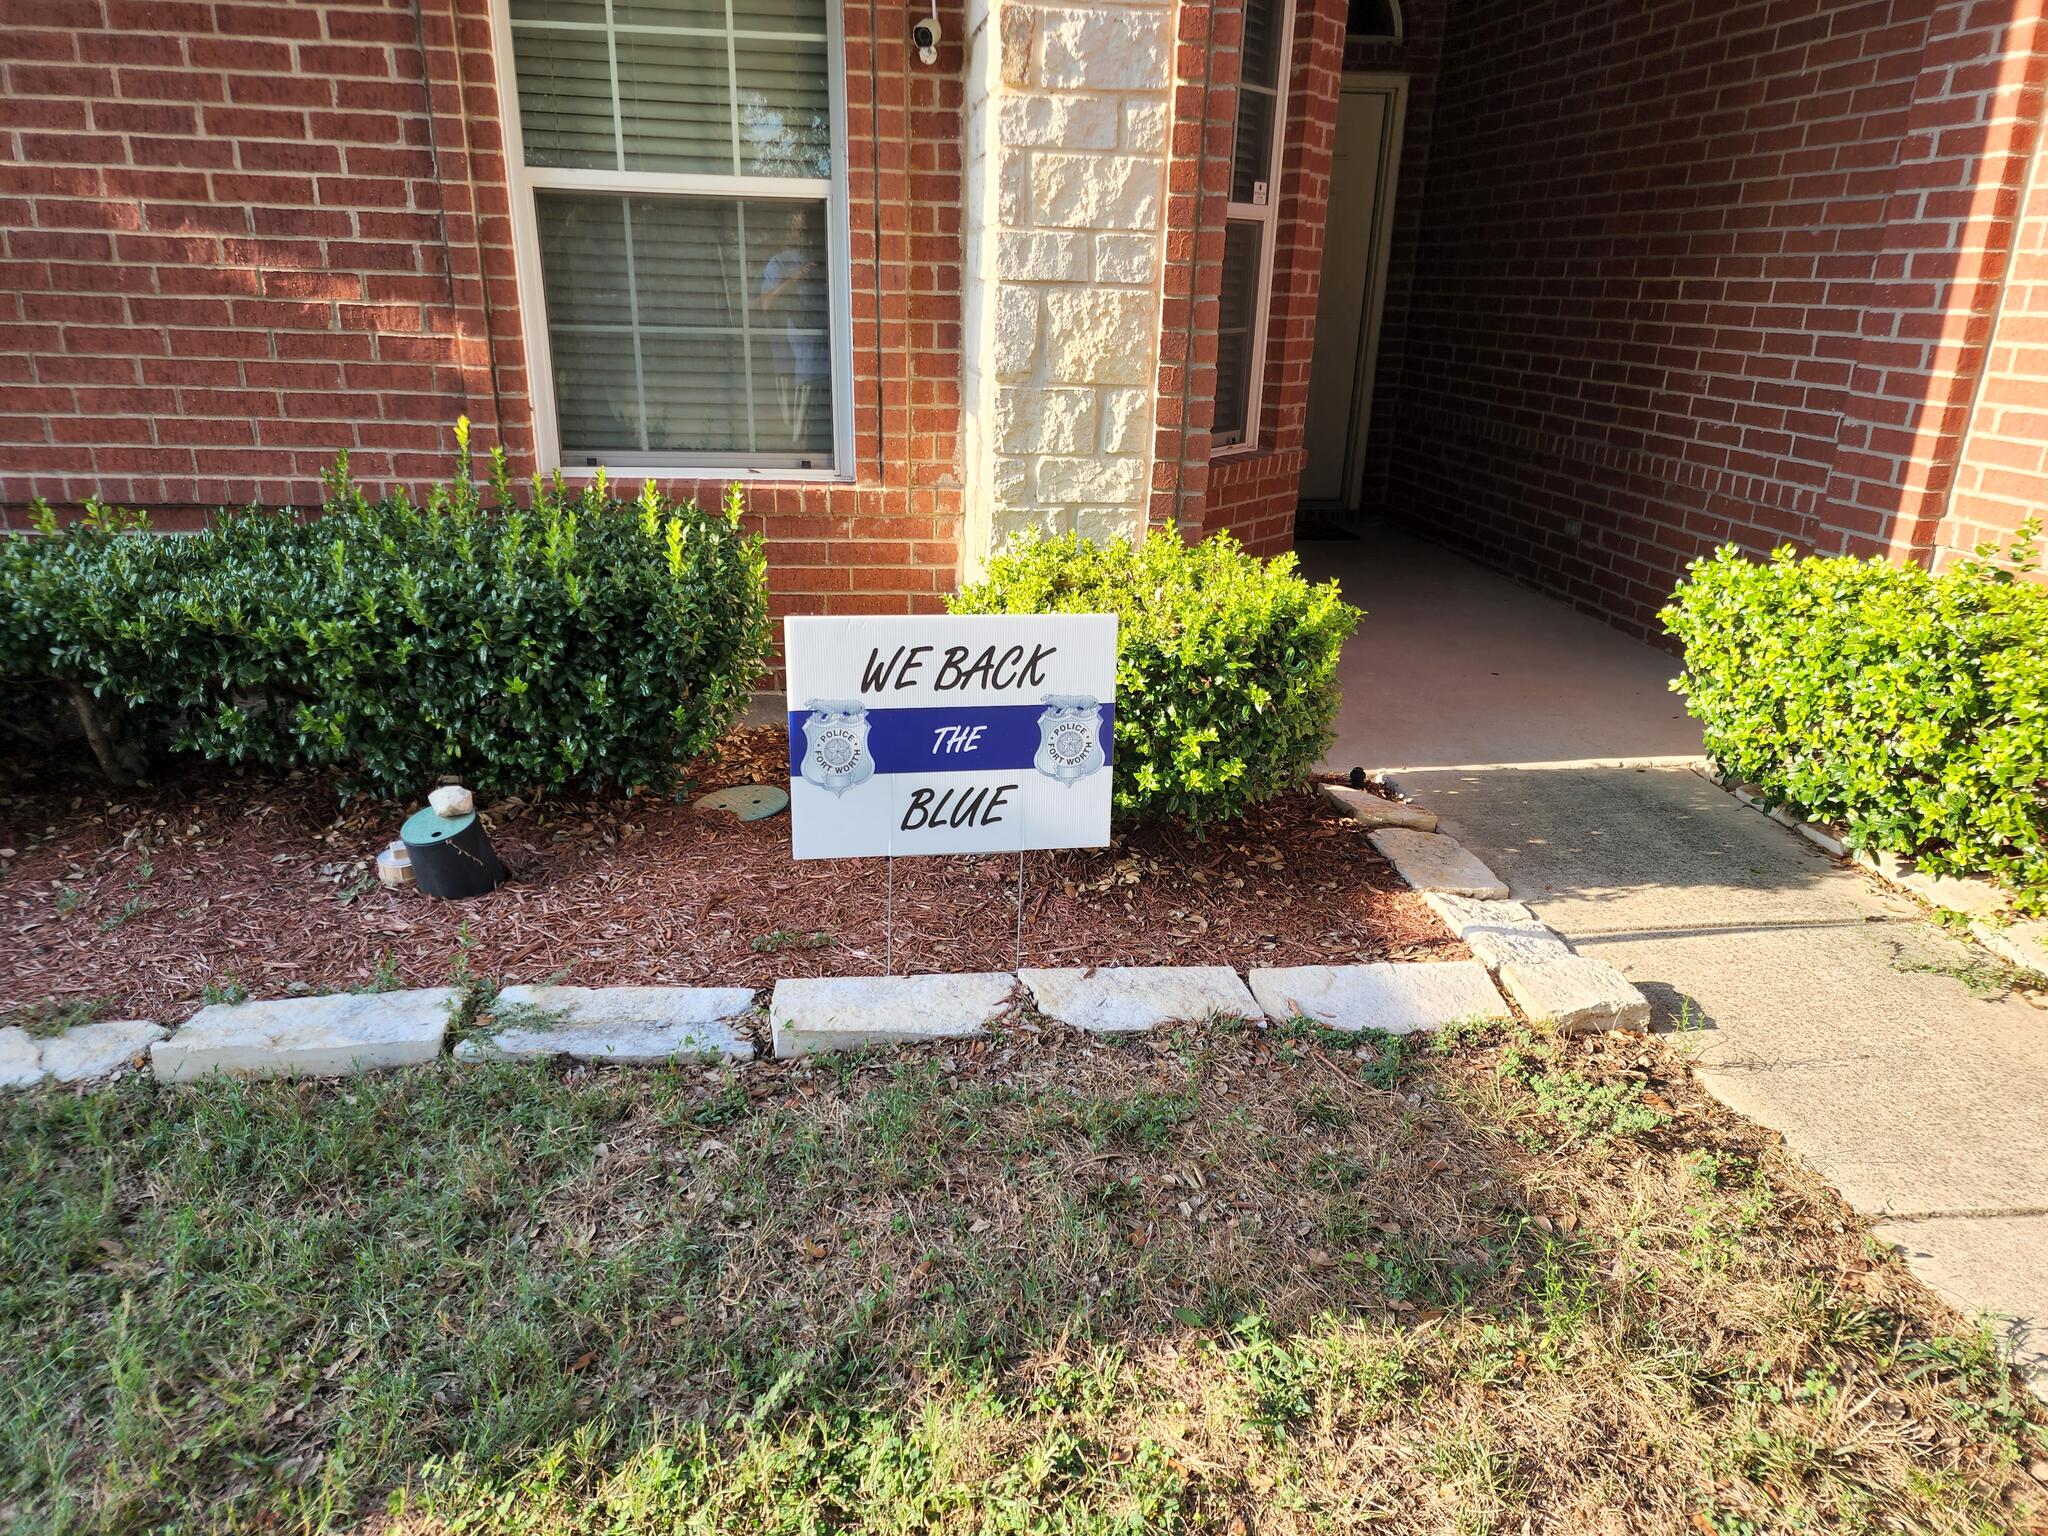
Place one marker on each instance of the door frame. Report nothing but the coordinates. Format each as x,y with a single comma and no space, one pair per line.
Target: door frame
1366,346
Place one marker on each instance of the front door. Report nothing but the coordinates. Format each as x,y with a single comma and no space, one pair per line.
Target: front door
1362,176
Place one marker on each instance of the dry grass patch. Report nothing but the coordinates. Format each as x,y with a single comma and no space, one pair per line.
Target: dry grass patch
1215,1279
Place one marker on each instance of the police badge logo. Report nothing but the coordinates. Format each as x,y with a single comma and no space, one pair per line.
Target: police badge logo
836,755
1069,737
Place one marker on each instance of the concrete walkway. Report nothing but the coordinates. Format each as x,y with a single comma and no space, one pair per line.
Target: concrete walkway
1814,1000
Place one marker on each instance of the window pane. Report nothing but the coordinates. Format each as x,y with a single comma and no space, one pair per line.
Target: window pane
1239,310
675,103
687,326
785,108
1254,151
623,89
1261,55
565,98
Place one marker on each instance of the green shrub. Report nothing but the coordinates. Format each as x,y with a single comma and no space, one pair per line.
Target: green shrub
1910,709
576,641
1226,671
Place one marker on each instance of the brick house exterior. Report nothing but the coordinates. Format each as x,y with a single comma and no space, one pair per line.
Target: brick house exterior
1656,277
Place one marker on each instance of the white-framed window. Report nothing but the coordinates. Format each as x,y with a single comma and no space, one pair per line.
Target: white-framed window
1249,232
678,183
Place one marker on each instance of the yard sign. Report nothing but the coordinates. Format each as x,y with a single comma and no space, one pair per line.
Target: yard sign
983,733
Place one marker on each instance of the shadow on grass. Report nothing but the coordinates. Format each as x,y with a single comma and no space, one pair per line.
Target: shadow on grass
1209,1279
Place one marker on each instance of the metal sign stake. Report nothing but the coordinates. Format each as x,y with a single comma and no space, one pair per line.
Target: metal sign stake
1020,911
889,922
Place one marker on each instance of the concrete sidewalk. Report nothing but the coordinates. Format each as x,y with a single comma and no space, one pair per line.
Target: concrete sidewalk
1816,1001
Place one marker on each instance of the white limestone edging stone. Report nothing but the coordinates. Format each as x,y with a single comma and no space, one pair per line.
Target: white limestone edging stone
1576,993
1497,931
629,1026
1430,861
1122,999
80,1054
1396,998
308,1036
842,1013
1373,810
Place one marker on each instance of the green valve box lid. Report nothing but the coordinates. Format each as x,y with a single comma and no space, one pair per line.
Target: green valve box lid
430,826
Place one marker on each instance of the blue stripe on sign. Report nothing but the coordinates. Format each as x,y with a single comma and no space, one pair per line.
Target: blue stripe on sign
916,740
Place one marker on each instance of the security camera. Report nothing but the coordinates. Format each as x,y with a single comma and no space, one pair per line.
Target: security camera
925,34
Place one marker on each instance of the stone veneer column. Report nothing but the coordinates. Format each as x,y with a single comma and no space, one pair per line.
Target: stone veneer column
1067,115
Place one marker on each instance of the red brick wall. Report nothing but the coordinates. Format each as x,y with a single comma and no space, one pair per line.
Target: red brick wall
1687,279
239,237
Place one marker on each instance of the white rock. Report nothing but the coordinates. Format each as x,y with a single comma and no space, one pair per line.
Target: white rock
1107,51
1396,998
1045,420
1016,330
80,1054
1099,478
2024,943
451,800
1099,336
1430,861
21,1058
1497,931
1095,191
1577,993
1124,258
1145,124
1042,256
839,1013
1102,524
1059,122
1116,999
1126,420
1373,810
308,1036
627,1026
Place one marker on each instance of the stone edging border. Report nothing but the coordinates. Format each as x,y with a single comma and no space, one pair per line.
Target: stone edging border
340,1034
2022,942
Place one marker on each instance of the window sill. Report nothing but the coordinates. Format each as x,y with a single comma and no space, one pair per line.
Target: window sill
621,474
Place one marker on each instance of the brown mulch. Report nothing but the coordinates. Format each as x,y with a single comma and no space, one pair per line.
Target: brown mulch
140,899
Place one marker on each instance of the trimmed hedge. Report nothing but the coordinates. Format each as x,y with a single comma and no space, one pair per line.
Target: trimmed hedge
1910,709
1226,664
574,642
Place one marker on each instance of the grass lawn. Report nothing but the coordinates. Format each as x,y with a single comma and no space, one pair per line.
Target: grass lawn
1215,1280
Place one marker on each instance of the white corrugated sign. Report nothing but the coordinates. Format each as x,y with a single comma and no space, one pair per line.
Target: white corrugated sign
982,733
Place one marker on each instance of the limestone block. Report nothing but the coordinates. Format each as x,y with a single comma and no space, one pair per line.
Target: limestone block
1396,998
1102,524
1067,481
627,1026
1059,122
1010,481
840,1013
1099,336
80,1054
2023,943
1107,51
1576,993
1119,999
1017,26
1045,420
1036,256
1094,191
1016,326
1012,523
1145,127
308,1036
1430,861
1126,420
1013,190
1497,932
1376,810
1125,258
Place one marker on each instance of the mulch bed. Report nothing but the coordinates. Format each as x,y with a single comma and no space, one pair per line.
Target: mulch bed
141,899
